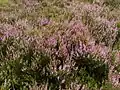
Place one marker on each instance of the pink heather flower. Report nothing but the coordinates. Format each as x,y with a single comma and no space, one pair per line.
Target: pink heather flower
44,22
30,2
1,39
52,41
77,27
117,57
81,48
103,51
111,25
92,8
64,50
90,48
11,32
100,50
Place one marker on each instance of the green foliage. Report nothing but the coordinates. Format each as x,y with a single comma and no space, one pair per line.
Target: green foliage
91,71
117,68
3,1
112,3
21,65
109,86
118,24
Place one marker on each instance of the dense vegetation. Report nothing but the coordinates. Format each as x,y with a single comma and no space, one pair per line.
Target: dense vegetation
59,44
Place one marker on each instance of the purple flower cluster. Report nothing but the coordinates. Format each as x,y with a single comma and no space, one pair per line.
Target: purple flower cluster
76,39
44,21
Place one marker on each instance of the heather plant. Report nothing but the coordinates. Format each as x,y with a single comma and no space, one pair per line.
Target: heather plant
62,46
99,24
94,72
21,65
16,55
58,44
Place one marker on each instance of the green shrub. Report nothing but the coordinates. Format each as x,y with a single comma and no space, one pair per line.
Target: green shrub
91,71
21,66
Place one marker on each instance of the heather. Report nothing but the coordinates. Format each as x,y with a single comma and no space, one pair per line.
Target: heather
59,44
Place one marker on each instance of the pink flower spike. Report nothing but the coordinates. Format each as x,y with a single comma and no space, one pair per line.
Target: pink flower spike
44,22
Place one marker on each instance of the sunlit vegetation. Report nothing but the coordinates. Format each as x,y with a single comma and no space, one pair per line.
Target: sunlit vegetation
59,44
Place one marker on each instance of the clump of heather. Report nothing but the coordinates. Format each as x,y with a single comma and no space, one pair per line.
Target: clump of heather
57,45
76,37
75,40
101,26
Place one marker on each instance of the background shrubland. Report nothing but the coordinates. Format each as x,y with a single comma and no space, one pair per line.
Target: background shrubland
59,44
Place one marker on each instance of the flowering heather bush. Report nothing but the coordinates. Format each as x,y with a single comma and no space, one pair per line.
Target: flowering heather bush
59,44
21,64
63,46
101,27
